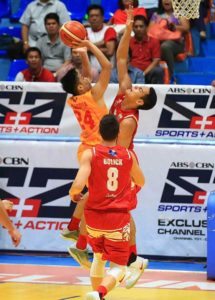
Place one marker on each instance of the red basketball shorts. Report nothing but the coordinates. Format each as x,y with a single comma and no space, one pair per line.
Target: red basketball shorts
109,234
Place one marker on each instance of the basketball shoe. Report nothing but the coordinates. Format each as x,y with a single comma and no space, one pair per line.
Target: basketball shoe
136,269
69,235
92,296
81,256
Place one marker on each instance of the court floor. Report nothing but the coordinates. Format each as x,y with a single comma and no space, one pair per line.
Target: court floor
59,278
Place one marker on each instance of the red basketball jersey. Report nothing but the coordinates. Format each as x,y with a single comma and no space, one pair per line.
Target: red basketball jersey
121,114
110,182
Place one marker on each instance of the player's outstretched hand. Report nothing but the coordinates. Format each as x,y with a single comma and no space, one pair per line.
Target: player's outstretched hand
80,50
15,236
80,44
76,198
8,205
130,15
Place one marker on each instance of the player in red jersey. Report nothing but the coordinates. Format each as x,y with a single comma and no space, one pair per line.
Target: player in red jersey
88,104
126,106
108,169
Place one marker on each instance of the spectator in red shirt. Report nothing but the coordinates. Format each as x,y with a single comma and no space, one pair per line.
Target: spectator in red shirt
145,52
120,15
101,35
35,71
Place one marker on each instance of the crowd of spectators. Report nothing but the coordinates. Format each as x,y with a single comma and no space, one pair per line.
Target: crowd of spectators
158,35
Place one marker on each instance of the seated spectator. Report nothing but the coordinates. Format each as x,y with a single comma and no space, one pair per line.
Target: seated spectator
35,71
145,52
80,61
199,23
103,36
135,74
150,6
54,51
170,47
32,19
120,15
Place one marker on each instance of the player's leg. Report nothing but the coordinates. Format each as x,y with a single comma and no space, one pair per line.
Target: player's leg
136,264
108,283
116,250
80,252
72,230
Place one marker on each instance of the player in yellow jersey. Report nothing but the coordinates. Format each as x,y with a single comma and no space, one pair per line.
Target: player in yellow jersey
126,107
88,105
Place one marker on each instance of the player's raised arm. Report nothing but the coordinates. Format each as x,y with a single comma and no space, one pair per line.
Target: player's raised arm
122,54
101,85
136,173
86,67
81,178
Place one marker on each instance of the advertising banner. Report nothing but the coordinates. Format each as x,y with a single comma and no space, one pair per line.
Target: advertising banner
37,176
33,110
172,209
171,212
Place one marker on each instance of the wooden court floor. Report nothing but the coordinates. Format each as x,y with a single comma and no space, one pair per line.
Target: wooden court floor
24,281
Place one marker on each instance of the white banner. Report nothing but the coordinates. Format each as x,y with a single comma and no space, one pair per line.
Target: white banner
172,208
171,212
36,176
39,109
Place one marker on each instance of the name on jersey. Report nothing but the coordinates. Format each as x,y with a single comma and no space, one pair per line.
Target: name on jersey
111,161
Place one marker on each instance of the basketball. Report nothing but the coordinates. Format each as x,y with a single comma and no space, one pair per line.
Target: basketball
72,31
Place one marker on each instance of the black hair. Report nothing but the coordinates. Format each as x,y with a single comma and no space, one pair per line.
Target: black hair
52,16
70,82
121,5
33,49
149,100
160,9
141,18
97,7
109,127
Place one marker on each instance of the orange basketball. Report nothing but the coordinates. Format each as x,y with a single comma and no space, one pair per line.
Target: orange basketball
72,31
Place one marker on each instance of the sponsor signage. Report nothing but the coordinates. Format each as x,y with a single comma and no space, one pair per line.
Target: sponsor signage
39,110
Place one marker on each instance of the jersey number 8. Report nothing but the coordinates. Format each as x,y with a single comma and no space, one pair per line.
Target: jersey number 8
112,182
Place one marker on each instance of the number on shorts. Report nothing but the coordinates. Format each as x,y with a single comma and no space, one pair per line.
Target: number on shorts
112,182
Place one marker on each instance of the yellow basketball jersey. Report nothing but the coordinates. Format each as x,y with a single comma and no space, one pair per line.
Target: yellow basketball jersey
88,114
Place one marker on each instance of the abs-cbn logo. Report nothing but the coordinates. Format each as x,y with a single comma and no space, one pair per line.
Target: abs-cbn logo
14,161
44,190
188,183
30,112
188,115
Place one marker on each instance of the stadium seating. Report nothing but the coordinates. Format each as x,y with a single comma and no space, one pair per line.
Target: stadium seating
22,5
14,31
77,8
16,66
5,6
5,66
166,78
110,6
208,48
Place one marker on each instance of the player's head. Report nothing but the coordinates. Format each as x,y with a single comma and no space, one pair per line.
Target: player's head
74,83
139,97
109,127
